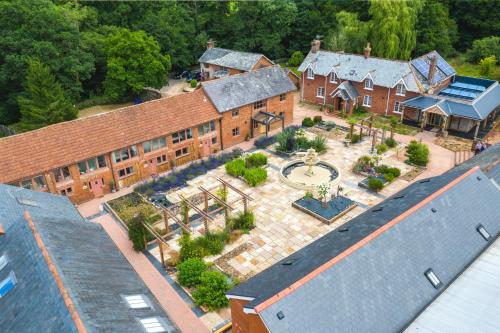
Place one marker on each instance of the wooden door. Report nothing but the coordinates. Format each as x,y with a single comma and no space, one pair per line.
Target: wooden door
152,166
262,129
97,187
206,145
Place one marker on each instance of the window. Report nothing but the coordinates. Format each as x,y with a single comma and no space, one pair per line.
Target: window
333,77
152,325
61,174
282,97
369,84
182,136
27,183
155,144
39,182
125,172
397,107
400,89
214,140
181,152
483,232
66,191
92,164
207,128
235,113
259,104
3,262
320,92
161,159
236,131
137,301
124,154
367,101
433,279
7,284
310,73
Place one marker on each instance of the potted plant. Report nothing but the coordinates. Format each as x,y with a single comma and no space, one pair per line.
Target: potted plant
308,196
323,190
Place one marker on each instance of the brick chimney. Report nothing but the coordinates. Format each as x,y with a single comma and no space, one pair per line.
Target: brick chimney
368,50
210,44
2,230
432,69
315,45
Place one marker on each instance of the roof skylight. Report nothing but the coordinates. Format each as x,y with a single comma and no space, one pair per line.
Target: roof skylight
433,279
152,325
3,262
483,232
7,284
137,301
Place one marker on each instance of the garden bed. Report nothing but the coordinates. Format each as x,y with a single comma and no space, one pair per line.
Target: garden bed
335,208
364,182
326,125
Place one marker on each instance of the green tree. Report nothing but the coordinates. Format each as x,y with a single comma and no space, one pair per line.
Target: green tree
482,48
296,59
137,233
47,31
435,29
45,102
487,65
189,271
392,28
134,61
211,291
350,36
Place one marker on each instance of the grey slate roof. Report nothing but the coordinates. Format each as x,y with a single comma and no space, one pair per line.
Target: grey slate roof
487,101
348,90
229,58
439,75
353,67
488,161
381,287
237,90
93,270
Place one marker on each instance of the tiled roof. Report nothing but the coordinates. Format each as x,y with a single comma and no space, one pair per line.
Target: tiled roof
65,143
229,58
353,67
380,286
242,89
439,75
93,271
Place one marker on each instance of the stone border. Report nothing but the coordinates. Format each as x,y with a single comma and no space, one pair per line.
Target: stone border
298,186
321,218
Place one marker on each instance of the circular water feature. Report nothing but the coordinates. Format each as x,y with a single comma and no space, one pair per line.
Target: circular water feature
301,176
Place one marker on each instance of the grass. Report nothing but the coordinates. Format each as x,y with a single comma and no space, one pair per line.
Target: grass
381,121
97,109
467,69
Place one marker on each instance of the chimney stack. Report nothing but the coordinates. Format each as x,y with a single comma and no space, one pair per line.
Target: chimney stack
368,50
2,230
315,45
210,44
432,69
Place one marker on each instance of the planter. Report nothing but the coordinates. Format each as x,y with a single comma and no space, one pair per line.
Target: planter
364,182
335,208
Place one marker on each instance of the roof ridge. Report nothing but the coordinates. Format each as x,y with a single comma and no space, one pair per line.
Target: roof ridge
353,248
362,56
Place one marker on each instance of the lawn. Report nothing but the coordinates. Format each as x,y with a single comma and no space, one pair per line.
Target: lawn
381,121
97,109
467,69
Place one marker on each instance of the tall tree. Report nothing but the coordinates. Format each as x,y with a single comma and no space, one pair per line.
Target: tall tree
49,32
134,61
351,34
435,29
45,102
392,28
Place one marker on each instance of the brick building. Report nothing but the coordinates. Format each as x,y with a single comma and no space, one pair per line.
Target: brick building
217,62
88,157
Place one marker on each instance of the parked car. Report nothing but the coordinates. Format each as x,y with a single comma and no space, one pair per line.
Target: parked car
182,75
194,75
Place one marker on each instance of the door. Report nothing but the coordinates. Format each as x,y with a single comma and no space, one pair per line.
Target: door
434,119
262,129
152,166
206,144
97,187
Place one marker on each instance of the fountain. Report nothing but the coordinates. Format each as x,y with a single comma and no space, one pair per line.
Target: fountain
309,172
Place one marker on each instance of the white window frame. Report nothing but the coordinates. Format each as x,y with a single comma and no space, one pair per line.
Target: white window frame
368,84
333,77
400,89
322,95
398,109
310,73
364,101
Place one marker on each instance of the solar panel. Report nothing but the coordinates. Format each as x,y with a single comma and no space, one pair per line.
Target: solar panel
421,66
468,86
445,67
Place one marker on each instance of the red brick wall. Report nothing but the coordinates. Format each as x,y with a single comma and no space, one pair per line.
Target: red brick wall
242,322
263,62
379,94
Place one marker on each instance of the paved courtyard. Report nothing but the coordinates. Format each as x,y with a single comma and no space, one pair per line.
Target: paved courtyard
280,228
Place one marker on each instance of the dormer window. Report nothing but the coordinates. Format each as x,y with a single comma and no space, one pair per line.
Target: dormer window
333,77
369,84
310,73
400,89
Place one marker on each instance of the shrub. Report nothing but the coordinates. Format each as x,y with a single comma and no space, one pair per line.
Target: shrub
174,258
375,184
318,143
234,235
418,153
189,249
359,110
211,291
137,233
286,141
381,148
189,271
193,83
317,119
389,177
212,243
243,221
391,143
363,164
307,122
256,160
255,176
236,168
355,138
264,142
296,59
487,65
482,48
395,171
308,196
236,153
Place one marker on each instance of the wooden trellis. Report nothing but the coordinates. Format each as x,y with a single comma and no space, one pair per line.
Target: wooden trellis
243,195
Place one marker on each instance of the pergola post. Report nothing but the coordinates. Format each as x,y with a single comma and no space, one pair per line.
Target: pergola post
245,205
283,122
370,125
226,211
374,141
165,220
361,130
252,125
267,129
478,123
424,121
205,219
160,246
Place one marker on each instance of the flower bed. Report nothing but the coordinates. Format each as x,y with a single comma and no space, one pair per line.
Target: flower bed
290,141
328,213
265,141
326,125
250,168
